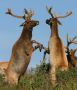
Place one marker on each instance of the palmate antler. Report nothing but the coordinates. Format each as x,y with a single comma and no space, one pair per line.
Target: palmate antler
10,13
52,15
66,15
26,16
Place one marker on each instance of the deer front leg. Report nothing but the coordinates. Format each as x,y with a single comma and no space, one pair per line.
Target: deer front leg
46,52
53,76
39,45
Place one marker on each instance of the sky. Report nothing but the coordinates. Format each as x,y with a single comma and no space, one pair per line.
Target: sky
10,30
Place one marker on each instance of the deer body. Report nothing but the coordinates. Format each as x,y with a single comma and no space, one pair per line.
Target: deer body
57,56
21,52
21,56
57,53
56,47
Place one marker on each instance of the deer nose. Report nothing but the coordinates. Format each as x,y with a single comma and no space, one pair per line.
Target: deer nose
37,22
47,21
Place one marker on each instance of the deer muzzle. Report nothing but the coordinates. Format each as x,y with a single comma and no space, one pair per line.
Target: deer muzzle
37,22
48,21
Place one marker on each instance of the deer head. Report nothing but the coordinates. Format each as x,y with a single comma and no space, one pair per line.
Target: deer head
54,19
29,23
72,52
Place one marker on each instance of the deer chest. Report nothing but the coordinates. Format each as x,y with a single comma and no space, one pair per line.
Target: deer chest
55,45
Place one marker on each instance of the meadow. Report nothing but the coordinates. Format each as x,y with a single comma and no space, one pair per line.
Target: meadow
38,79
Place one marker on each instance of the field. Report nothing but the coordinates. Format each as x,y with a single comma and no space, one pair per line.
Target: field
38,79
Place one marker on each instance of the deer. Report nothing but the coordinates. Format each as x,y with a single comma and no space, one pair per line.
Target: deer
72,59
57,55
3,67
22,49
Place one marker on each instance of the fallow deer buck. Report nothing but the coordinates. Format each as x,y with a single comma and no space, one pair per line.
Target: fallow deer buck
3,67
57,56
22,49
72,59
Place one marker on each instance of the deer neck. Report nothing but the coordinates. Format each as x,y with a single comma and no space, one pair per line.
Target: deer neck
26,34
54,30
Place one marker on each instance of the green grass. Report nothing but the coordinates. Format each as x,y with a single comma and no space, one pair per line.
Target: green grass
39,80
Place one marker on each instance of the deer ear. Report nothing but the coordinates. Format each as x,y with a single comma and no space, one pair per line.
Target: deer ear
59,22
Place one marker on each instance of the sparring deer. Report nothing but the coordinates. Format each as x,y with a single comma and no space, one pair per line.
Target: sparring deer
72,59
57,56
22,49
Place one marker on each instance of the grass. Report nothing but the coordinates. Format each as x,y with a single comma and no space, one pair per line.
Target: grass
38,79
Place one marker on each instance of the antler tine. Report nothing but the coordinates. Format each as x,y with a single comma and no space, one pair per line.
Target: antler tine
67,39
73,40
29,14
10,13
67,14
25,10
49,11
75,49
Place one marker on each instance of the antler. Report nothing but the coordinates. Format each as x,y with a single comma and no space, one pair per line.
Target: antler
67,14
49,11
75,49
10,13
26,16
70,41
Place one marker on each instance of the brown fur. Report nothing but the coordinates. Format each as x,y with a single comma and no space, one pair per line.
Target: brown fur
73,58
3,67
21,54
57,53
